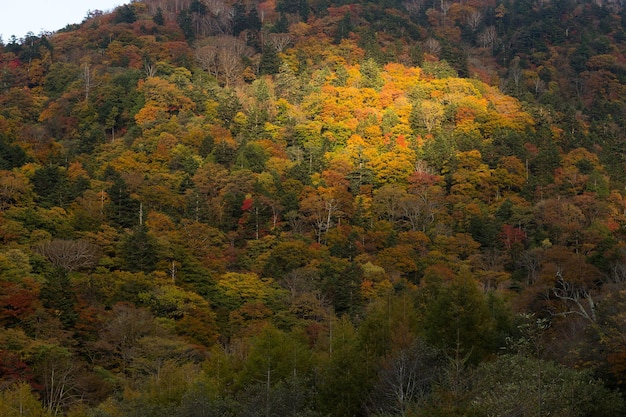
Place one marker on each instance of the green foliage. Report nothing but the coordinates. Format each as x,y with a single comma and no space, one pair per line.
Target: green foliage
125,14
139,250
158,17
59,77
534,387
370,73
345,382
457,318
11,156
19,400
270,61
122,208
59,297
185,21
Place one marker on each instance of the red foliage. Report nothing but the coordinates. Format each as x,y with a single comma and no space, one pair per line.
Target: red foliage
13,369
17,302
247,204
512,235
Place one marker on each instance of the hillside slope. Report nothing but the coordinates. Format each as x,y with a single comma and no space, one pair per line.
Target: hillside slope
314,209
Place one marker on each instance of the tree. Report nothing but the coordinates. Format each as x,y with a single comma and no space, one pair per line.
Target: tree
122,208
69,254
427,114
270,61
185,22
18,400
345,382
56,371
457,318
274,357
222,56
58,296
11,155
140,250
370,75
125,14
120,337
522,386
323,206
406,379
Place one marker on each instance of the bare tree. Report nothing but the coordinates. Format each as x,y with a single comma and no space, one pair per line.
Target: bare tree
618,268
445,7
406,379
222,57
578,300
71,255
149,69
387,202
300,281
56,371
206,56
432,46
531,261
516,74
88,79
278,40
473,19
488,37
413,7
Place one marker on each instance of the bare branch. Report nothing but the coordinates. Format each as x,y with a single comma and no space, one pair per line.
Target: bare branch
71,255
576,297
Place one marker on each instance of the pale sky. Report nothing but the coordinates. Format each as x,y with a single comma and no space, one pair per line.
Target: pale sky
18,17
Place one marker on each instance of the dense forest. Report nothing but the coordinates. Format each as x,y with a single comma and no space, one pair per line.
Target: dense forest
316,208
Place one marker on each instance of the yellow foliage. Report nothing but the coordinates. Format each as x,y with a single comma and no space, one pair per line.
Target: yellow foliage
394,166
246,287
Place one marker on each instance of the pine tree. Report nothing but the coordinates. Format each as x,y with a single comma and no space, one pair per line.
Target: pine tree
158,17
122,208
140,251
58,296
270,61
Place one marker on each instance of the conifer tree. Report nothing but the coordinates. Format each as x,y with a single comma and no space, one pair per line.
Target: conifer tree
270,61
58,296
139,251
122,208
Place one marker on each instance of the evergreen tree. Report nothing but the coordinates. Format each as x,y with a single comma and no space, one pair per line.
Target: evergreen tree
158,17
140,251
304,10
240,20
51,185
343,29
122,208
198,7
125,14
185,22
11,156
253,20
58,296
281,25
270,61
370,75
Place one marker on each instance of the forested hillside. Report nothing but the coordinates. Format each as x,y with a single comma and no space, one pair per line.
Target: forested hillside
315,208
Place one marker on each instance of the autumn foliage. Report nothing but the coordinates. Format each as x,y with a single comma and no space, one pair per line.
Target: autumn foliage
302,208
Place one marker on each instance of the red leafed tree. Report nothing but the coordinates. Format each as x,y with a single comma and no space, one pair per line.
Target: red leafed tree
510,236
247,204
13,369
17,302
